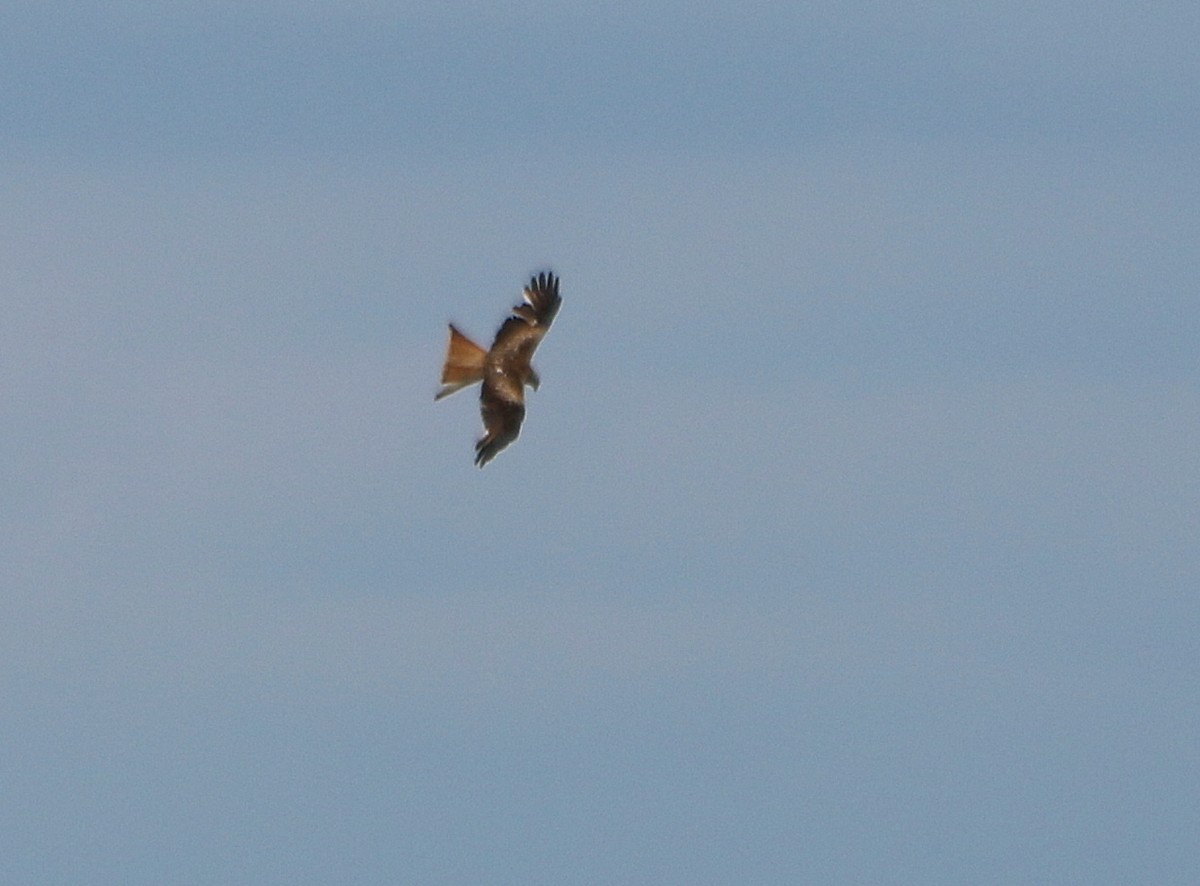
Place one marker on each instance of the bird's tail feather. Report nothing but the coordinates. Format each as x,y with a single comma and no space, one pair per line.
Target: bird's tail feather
464,364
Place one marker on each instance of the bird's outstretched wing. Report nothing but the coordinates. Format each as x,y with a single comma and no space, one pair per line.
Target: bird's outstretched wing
519,335
502,419
508,367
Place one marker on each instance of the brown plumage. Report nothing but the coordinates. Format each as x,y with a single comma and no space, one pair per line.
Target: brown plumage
506,369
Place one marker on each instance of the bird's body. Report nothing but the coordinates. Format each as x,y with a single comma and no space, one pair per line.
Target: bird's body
506,368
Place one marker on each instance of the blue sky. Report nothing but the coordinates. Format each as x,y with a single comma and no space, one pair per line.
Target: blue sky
852,536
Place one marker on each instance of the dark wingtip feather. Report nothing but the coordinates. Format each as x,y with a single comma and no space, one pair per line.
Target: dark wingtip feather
487,449
544,281
543,295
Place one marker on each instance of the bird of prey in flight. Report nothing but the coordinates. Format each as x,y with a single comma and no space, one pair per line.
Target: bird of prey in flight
505,369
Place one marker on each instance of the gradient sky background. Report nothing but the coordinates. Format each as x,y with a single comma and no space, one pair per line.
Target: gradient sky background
852,536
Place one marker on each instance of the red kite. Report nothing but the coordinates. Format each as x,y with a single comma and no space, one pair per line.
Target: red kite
505,369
